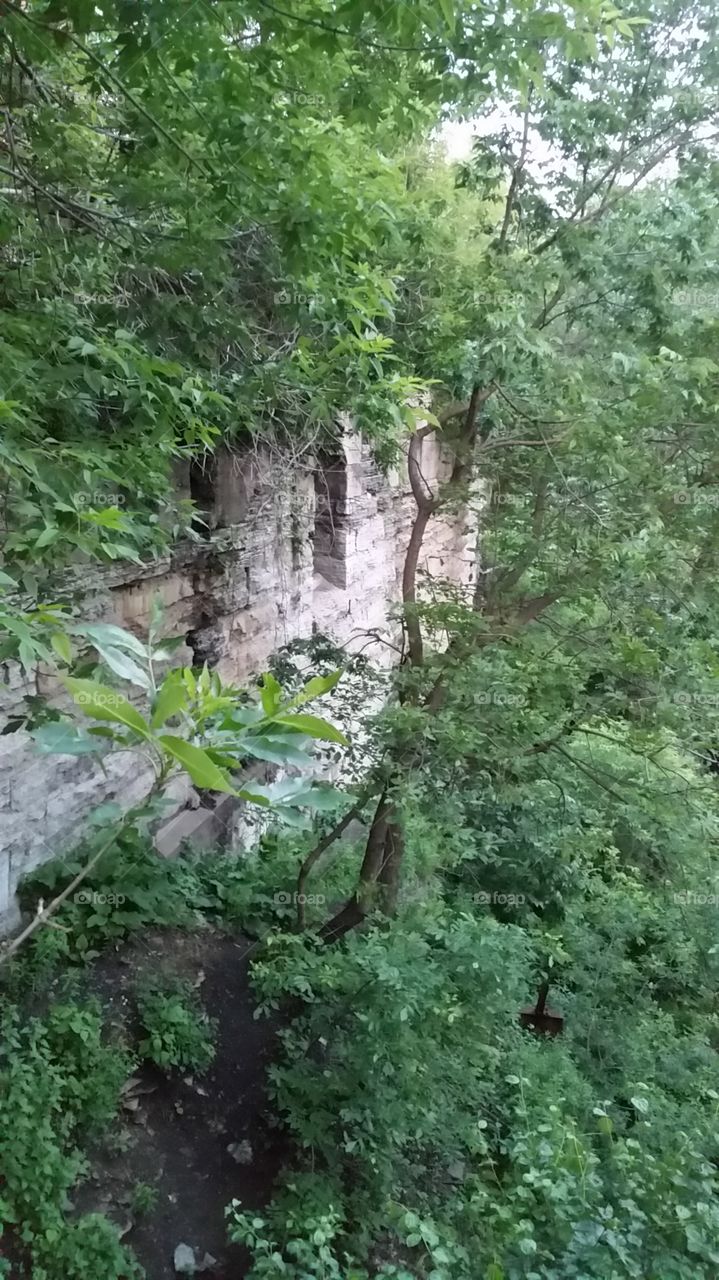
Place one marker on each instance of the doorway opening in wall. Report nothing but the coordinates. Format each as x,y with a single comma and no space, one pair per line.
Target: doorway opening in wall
330,528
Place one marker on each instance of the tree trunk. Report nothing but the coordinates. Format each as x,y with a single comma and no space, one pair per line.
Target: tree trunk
365,896
380,873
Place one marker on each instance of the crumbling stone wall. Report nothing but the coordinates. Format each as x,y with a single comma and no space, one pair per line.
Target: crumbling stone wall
289,547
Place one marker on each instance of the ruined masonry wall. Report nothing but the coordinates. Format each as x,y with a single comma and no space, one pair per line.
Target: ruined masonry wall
294,549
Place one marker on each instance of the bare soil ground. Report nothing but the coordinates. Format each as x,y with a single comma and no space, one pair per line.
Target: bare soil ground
177,1131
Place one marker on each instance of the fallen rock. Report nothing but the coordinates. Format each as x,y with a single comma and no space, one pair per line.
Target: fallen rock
241,1151
185,1264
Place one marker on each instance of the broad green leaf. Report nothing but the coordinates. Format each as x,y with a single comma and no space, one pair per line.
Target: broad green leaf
203,771
157,614
62,737
104,814
167,648
123,665
17,627
212,704
171,698
314,727
115,637
315,688
48,535
321,797
254,797
447,7
243,716
275,750
61,644
108,518
301,793
103,703
270,694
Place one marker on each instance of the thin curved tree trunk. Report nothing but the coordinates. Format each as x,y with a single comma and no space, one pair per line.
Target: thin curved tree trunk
380,874
364,898
390,872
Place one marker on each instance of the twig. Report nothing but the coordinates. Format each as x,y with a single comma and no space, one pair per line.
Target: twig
319,849
43,916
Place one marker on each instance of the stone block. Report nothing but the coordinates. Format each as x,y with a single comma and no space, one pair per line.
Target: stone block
196,825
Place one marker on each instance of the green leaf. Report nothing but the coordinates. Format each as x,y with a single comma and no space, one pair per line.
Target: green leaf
171,698
314,727
167,648
315,688
108,518
48,535
203,771
124,666
321,797
105,814
62,737
103,703
447,7
270,694
61,644
275,750
243,716
254,797
301,793
640,1104
106,634
157,614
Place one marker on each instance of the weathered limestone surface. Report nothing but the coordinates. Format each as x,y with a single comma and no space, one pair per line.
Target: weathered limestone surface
292,547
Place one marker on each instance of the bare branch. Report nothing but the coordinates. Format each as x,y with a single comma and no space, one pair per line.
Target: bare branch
515,182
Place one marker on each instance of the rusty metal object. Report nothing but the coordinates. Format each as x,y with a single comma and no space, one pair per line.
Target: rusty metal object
539,1018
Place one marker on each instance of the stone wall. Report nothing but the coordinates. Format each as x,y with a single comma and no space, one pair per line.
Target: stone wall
291,547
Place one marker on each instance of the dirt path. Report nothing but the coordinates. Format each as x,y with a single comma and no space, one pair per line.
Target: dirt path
178,1131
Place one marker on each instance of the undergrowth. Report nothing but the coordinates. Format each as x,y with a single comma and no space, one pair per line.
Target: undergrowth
59,1089
176,1032
434,1139
60,1075
131,889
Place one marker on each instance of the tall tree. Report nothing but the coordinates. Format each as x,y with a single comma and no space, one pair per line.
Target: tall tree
582,350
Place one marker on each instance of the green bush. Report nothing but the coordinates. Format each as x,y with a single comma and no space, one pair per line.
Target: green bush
129,889
59,1085
177,1034
444,1141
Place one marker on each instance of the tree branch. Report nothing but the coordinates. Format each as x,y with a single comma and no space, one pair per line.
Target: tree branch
515,182
315,854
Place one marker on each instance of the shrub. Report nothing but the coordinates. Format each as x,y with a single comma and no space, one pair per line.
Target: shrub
59,1083
177,1032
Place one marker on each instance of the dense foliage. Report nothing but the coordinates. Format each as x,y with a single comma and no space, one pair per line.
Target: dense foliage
202,225
225,223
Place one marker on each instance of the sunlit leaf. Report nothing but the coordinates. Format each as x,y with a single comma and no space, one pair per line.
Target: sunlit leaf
203,771
103,703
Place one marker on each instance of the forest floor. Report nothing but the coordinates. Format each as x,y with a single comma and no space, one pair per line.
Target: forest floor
200,1141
